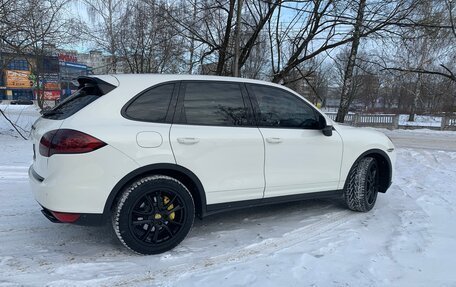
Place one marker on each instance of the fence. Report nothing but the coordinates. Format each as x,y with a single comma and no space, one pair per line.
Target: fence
449,123
390,121
370,120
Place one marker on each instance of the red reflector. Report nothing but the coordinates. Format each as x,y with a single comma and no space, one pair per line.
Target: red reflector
66,141
66,217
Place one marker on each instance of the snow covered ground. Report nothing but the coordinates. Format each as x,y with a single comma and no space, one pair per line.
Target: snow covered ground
408,239
22,116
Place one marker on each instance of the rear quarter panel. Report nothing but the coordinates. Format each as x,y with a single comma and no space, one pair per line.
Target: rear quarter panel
103,120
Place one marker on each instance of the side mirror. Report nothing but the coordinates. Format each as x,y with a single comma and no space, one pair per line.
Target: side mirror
326,129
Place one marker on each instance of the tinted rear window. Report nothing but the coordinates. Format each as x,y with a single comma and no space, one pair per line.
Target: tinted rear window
214,103
77,101
152,105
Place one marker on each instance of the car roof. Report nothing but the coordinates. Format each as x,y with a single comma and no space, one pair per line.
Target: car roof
151,79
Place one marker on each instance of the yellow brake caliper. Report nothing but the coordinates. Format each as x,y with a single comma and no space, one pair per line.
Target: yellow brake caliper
170,207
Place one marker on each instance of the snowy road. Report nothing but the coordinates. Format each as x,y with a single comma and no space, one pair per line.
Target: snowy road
409,239
423,139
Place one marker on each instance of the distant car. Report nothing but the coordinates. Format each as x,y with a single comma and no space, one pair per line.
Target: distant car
149,152
21,102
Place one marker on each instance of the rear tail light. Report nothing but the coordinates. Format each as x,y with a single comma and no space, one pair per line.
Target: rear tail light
66,141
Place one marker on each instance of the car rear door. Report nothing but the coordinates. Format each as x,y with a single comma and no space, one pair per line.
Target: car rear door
298,157
213,135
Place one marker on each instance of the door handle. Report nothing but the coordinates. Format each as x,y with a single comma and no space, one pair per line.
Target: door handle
188,141
274,140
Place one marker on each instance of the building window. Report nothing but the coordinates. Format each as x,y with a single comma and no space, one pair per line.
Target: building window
21,65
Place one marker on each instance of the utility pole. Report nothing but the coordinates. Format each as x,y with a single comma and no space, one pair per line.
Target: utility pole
237,39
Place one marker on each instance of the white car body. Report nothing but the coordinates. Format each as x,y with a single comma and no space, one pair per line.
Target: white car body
232,164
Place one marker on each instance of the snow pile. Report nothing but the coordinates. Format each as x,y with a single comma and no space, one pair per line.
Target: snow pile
408,239
421,121
23,116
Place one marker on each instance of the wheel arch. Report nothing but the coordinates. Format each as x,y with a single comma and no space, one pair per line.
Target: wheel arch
188,178
385,167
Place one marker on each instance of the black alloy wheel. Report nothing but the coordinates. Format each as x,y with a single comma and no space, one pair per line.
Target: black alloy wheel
153,215
157,216
371,183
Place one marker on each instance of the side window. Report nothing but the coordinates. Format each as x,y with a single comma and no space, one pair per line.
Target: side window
279,108
152,105
213,103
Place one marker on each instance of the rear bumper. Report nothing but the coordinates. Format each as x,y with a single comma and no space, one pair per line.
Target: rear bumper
79,183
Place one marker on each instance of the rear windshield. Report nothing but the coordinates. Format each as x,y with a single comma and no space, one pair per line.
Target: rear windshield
86,94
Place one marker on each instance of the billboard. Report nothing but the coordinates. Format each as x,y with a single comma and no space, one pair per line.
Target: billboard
63,57
18,79
48,95
52,86
49,80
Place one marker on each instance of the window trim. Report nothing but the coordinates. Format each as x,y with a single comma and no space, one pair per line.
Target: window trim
251,122
171,106
256,107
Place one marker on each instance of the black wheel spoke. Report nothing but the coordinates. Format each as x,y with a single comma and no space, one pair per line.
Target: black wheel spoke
371,184
169,230
141,213
371,196
146,234
170,202
175,222
150,202
159,201
156,233
141,222
174,209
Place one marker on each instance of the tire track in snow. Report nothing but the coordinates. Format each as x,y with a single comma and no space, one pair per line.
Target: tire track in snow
264,248
13,173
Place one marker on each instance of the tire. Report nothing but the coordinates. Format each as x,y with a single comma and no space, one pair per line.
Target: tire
153,215
361,189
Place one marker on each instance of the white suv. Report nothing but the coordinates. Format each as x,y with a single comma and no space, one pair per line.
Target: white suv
149,152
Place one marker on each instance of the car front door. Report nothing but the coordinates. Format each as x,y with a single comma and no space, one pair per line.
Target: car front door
213,135
299,158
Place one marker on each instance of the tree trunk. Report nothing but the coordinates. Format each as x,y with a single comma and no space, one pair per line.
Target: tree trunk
347,95
415,99
237,39
192,41
225,44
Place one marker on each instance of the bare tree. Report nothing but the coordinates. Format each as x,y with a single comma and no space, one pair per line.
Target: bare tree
427,50
27,28
45,28
147,44
211,27
104,27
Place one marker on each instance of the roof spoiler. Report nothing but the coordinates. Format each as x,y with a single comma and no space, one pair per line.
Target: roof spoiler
104,86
